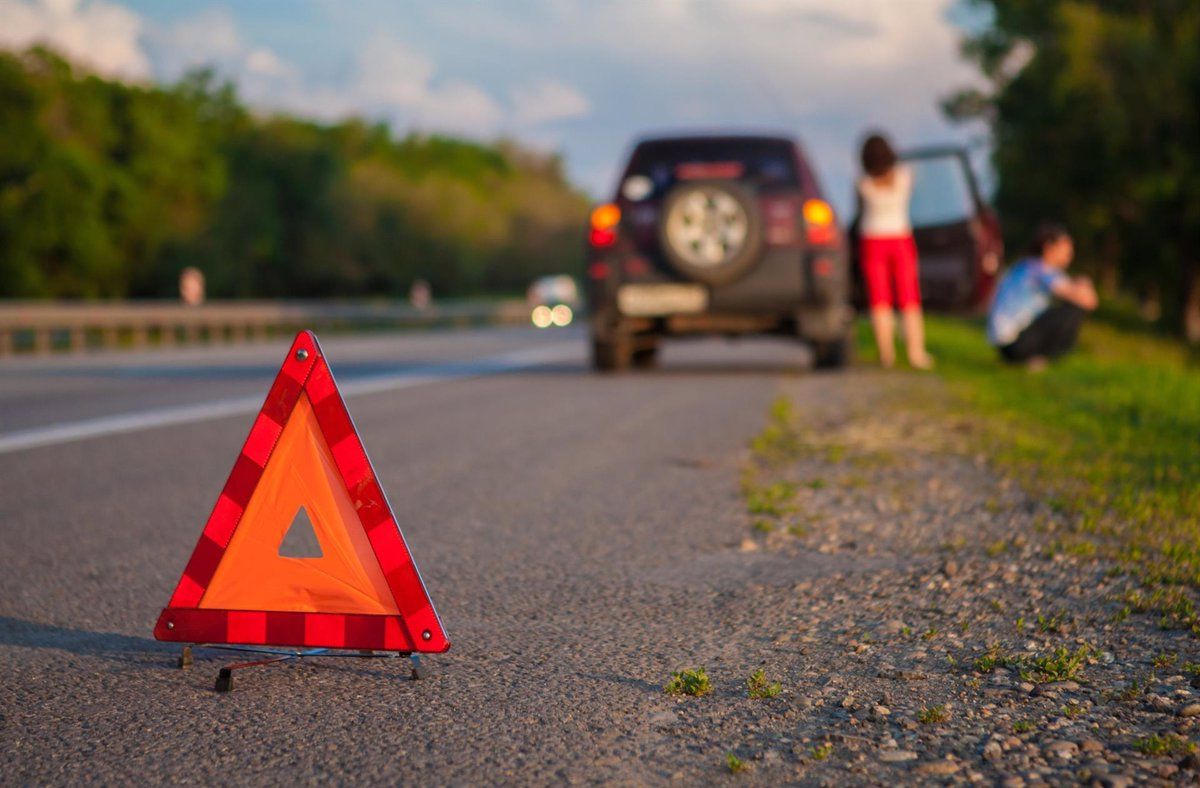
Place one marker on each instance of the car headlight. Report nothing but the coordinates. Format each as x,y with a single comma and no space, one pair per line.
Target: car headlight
561,315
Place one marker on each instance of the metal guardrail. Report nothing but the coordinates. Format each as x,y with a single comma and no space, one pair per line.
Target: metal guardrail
44,327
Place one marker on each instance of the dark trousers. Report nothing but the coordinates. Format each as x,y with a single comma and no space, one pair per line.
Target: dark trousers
1052,334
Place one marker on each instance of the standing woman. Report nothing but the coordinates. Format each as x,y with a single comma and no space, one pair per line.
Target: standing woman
888,253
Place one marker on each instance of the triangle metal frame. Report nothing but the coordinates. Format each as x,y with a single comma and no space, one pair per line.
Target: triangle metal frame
416,629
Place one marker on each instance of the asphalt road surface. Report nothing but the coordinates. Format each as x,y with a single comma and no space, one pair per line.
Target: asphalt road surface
578,535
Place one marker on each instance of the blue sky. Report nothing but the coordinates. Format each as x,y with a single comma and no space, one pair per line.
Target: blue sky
583,77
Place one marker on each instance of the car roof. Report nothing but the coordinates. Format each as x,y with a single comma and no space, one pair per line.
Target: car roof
933,151
703,136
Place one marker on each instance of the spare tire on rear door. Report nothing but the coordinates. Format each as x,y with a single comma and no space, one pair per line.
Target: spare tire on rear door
711,231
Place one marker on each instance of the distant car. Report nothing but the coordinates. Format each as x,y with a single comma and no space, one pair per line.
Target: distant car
552,301
716,235
957,232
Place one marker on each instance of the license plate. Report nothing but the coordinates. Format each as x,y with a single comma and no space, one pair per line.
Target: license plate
658,300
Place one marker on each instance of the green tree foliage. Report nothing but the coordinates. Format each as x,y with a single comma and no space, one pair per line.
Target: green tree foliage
109,190
1095,111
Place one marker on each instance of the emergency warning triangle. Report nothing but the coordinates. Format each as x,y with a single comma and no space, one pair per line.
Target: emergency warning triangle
303,461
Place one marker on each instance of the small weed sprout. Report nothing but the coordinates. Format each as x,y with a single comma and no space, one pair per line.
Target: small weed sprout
954,545
1059,665
1051,623
933,715
764,526
734,763
1155,745
1165,660
822,751
757,686
989,660
1137,687
1023,726
692,682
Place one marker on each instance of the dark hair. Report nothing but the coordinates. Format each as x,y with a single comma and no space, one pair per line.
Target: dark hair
877,156
1046,234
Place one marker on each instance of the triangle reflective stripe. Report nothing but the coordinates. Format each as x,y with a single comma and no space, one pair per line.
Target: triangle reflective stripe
303,460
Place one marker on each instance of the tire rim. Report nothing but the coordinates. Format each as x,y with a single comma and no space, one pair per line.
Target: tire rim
707,227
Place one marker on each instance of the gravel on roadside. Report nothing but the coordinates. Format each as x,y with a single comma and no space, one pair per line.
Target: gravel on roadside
962,644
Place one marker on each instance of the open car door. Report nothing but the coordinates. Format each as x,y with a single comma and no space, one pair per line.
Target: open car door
957,233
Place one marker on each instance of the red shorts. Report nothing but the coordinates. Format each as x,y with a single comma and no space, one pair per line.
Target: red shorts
888,260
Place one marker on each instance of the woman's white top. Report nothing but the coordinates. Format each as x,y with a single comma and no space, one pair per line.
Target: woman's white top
885,206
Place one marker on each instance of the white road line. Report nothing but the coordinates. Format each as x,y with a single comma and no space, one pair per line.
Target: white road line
69,432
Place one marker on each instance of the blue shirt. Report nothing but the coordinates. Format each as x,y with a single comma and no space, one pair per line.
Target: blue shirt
1025,292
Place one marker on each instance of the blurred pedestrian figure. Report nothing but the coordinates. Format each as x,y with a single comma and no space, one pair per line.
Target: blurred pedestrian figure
1038,309
191,286
888,254
420,295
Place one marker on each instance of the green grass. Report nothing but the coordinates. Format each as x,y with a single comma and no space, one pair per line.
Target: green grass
772,499
734,764
779,440
1108,436
693,681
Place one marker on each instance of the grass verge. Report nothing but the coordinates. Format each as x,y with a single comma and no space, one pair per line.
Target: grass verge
1109,435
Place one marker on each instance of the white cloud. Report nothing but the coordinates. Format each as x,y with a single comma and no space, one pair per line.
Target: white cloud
547,101
265,62
395,82
101,35
827,71
537,67
209,38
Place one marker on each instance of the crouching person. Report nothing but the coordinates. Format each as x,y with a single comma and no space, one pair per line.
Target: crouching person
1038,308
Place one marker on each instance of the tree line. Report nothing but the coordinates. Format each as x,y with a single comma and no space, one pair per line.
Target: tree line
1094,107
109,190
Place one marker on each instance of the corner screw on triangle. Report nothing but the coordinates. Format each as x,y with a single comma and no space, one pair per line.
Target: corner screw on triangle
301,354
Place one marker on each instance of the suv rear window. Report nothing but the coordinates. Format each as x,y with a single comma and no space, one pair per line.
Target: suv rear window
769,164
941,192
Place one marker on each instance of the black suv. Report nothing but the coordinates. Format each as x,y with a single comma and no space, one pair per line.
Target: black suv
718,235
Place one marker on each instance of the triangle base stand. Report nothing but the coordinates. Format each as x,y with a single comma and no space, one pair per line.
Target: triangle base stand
276,656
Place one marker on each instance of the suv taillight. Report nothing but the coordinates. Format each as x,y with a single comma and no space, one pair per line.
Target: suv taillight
605,219
819,225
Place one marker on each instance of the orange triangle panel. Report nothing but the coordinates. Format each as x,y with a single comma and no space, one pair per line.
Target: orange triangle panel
362,592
